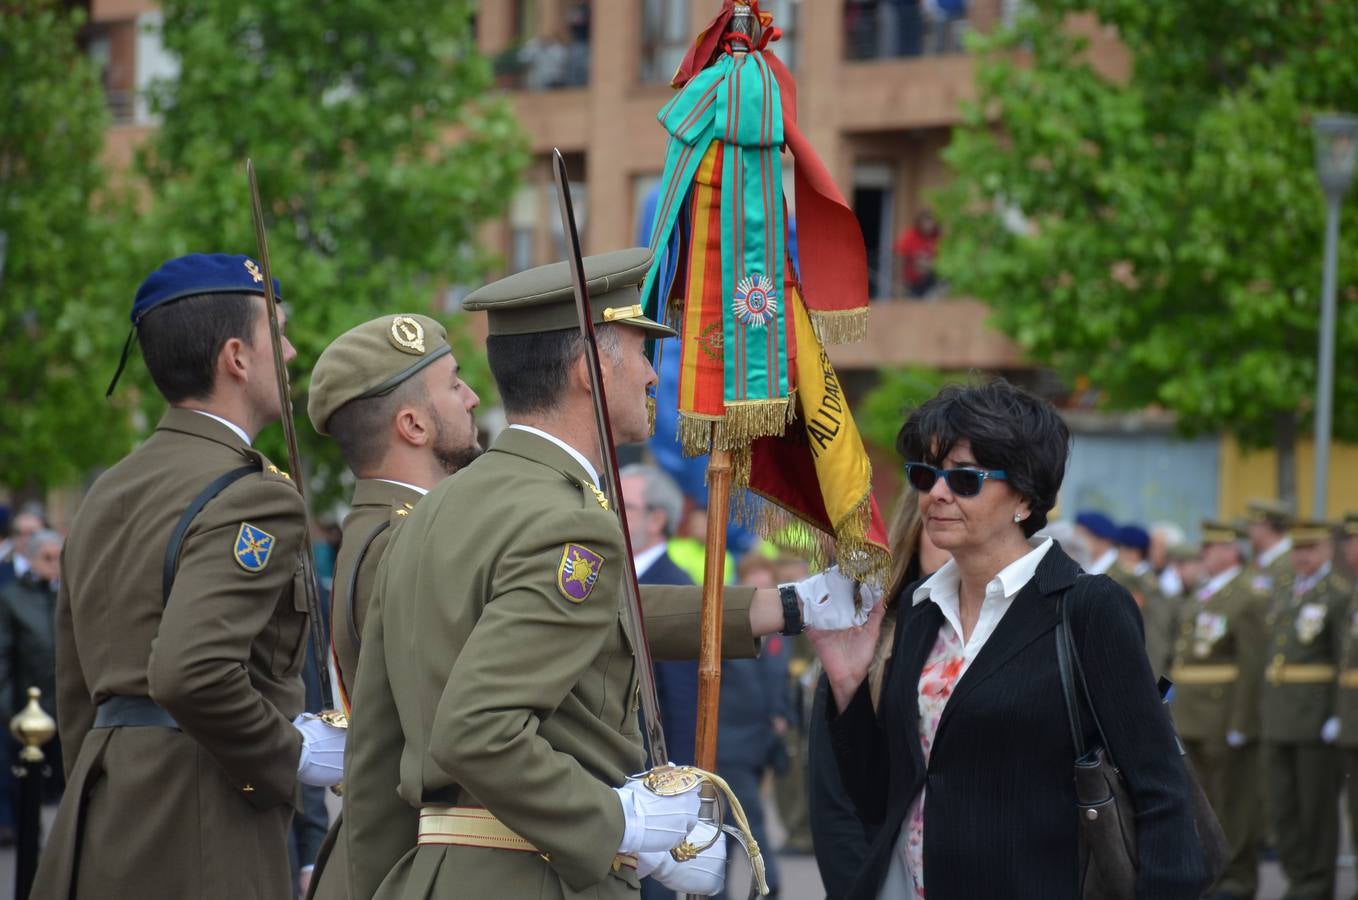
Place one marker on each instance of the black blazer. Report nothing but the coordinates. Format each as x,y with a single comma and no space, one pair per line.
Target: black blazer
999,814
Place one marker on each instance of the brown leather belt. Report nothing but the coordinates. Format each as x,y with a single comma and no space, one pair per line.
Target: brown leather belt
471,826
1224,673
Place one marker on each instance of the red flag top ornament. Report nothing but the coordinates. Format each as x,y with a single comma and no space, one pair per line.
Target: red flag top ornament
754,376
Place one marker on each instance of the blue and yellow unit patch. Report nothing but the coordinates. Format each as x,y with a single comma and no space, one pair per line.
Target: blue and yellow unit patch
578,572
253,547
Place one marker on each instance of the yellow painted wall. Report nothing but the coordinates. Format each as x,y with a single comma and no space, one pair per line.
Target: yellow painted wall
1248,475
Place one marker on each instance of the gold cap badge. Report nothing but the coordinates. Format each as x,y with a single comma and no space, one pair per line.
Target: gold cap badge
253,269
407,335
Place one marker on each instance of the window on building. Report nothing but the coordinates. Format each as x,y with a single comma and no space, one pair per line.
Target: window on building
786,16
153,64
665,38
523,225
111,46
884,29
873,199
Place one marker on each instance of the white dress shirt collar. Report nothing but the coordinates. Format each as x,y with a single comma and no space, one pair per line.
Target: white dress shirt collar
1217,582
405,484
942,588
1266,558
1101,565
644,559
229,424
575,454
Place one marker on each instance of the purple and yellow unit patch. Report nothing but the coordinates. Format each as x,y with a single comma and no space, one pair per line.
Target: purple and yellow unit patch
578,572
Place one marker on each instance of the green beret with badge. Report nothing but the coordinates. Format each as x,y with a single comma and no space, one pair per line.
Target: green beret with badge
543,298
372,359
1219,533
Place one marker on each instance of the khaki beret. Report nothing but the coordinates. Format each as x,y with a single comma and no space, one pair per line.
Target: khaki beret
1310,531
1274,512
543,298
1219,533
371,359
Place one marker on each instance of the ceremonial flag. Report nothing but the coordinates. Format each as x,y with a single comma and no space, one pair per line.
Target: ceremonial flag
754,376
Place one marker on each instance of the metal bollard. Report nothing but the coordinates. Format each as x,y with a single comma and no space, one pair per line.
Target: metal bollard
32,727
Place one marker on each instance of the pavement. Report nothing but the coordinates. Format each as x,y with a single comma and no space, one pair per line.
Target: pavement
801,879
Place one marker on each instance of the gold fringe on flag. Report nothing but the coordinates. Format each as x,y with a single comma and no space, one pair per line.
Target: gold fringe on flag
741,424
843,326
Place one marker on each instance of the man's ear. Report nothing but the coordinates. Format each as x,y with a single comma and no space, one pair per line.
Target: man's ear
411,426
231,360
580,373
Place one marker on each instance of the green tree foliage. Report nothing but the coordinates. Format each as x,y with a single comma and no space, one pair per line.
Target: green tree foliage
1172,245
379,147
896,393
58,255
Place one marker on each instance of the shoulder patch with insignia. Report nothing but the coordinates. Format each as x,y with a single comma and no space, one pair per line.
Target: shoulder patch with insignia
578,572
253,547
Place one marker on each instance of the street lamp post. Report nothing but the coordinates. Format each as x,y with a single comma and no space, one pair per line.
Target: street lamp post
1336,140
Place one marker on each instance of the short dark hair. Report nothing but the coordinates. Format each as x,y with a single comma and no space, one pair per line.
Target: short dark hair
532,370
1007,427
362,427
181,339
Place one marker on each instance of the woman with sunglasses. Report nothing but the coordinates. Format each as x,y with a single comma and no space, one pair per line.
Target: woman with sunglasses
964,772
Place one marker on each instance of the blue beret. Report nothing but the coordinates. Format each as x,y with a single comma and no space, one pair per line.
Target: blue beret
1097,524
1134,536
199,273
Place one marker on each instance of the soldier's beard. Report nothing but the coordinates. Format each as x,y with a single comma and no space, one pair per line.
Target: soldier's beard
453,457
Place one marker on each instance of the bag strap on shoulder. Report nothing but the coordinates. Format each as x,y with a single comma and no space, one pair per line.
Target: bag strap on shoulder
1072,673
181,528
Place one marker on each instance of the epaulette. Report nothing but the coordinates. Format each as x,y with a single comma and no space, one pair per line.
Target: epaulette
398,513
589,488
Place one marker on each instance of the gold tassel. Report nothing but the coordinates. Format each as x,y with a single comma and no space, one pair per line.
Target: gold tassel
750,419
650,416
839,326
695,433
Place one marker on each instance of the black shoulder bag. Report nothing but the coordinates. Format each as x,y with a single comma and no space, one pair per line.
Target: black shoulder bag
1106,815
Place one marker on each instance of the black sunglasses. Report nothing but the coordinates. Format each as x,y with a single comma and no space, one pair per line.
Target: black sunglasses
964,482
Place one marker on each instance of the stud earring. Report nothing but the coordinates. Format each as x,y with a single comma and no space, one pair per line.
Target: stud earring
1017,518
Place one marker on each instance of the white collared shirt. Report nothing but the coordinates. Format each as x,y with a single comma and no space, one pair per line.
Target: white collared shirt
1101,565
644,559
576,454
414,487
1265,559
1217,582
942,588
229,424
1304,584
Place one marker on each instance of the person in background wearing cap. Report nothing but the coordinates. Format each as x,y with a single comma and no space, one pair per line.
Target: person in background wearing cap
1302,767
181,623
1099,534
1218,672
1133,571
1346,702
1268,524
497,695
390,393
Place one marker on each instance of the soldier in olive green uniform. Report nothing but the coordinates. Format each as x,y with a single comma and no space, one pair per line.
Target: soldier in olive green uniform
497,697
1345,728
1218,672
181,632
390,394
1306,630
1270,522
1158,612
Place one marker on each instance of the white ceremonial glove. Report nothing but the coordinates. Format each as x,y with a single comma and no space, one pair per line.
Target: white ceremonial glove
322,761
828,600
1235,739
654,822
1329,732
705,874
